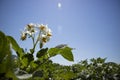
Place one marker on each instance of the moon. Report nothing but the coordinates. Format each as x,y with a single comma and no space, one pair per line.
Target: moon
59,5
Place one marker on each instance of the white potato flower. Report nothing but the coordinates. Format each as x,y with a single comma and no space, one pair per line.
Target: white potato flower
43,27
44,38
30,29
23,35
49,33
44,35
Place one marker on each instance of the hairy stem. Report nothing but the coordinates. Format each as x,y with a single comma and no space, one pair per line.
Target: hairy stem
35,43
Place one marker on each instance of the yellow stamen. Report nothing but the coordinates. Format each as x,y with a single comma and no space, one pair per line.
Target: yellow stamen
44,39
42,27
49,34
23,37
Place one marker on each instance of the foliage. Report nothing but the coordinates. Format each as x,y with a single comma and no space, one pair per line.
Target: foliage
6,70
29,67
25,64
97,69
84,70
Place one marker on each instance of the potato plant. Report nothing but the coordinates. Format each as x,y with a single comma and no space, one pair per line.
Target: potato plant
26,65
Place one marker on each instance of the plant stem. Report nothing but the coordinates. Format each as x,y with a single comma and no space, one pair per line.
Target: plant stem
35,43
33,39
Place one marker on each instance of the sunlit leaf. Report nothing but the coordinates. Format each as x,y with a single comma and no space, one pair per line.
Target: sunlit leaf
3,46
15,46
24,62
5,53
5,58
33,64
67,53
53,51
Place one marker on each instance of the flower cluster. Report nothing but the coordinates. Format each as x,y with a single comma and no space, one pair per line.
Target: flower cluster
44,33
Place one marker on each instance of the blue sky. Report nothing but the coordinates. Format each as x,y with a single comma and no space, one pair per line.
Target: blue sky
90,26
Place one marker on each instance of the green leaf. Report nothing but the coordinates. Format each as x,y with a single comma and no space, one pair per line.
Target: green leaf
32,51
42,52
67,53
53,51
15,46
6,66
29,57
3,46
5,53
34,64
24,62
11,74
26,59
